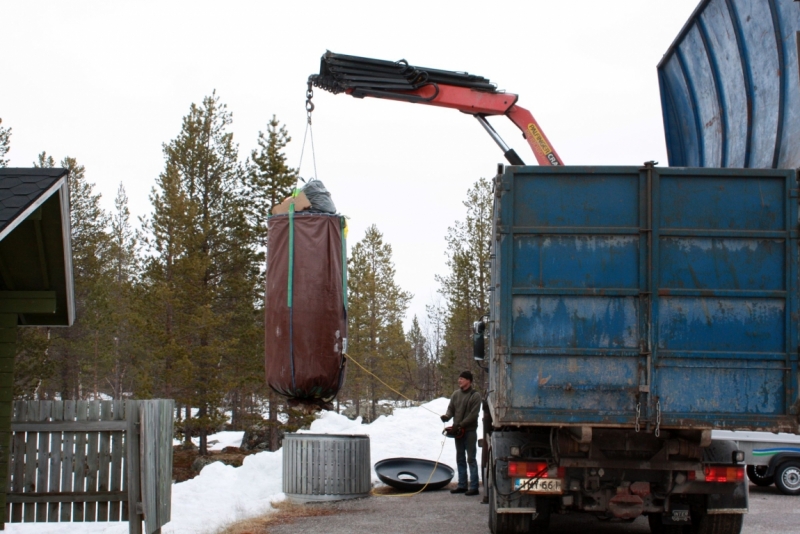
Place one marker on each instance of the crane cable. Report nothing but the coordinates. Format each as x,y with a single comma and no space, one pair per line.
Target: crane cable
308,133
435,465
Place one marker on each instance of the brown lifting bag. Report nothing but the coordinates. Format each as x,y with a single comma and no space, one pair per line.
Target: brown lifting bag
306,307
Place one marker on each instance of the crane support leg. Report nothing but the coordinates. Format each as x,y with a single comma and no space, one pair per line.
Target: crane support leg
542,149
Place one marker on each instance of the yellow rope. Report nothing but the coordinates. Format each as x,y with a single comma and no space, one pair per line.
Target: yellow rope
435,465
385,384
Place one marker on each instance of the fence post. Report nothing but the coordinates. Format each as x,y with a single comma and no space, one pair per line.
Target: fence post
132,466
156,462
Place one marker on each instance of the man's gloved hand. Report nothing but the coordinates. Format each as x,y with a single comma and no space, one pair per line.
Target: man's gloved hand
444,418
456,430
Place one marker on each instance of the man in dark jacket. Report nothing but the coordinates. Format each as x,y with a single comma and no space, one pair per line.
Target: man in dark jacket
465,405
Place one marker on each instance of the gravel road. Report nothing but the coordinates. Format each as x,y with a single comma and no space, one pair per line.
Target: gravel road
439,512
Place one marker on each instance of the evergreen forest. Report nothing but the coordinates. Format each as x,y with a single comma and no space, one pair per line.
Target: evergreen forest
172,305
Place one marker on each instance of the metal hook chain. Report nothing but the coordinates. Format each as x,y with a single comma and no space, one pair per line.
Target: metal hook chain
638,413
309,103
658,417
309,129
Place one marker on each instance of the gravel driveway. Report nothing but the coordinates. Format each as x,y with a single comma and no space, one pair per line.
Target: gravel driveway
439,512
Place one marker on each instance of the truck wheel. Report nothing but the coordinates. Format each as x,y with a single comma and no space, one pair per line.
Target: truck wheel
717,524
787,478
758,475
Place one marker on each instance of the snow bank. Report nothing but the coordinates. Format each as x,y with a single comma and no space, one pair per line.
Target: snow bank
222,494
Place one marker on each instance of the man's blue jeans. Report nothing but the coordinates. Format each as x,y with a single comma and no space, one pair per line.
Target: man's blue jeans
466,448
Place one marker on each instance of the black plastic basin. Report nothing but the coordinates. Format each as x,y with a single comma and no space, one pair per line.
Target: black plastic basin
411,474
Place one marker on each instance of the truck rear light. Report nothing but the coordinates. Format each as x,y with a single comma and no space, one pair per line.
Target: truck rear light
718,473
534,470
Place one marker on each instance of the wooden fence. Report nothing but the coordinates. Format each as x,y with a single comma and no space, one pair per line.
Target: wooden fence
91,461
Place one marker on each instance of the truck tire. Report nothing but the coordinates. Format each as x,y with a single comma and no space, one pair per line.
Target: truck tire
717,524
486,449
758,475
787,478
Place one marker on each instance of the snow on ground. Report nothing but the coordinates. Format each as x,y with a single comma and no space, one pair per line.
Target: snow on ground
221,494
218,441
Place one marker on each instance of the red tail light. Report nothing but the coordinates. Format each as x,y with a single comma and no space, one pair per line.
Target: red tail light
532,470
719,473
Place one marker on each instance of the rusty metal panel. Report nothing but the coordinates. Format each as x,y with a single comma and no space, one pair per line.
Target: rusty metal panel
582,386
725,307
657,296
611,261
575,322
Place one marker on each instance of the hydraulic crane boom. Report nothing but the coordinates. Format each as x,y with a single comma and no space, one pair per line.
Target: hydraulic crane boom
475,95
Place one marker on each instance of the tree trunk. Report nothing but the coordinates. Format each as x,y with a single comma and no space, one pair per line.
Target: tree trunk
187,427
201,413
96,358
236,416
273,421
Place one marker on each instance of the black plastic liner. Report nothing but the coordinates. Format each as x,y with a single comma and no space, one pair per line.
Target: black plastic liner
411,474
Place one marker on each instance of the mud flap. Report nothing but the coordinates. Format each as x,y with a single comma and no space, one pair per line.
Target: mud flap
731,503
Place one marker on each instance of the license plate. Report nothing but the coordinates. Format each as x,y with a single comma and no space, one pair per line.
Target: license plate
538,485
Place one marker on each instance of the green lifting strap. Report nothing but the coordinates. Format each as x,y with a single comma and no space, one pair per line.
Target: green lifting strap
344,263
291,256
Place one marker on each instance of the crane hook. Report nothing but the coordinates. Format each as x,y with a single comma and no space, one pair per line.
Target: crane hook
309,103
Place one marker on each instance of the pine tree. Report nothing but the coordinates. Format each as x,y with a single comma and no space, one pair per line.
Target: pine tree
466,287
269,177
203,272
5,144
122,323
435,328
71,352
32,365
44,161
163,269
241,302
376,306
90,245
269,181
420,363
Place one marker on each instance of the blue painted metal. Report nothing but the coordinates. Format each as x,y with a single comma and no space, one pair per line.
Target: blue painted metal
730,89
671,289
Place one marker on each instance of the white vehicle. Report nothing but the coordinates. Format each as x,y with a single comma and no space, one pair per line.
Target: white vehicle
770,458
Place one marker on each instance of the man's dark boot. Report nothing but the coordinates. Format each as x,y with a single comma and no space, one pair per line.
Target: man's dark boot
471,492
459,490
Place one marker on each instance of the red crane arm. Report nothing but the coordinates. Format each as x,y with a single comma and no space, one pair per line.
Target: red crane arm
480,104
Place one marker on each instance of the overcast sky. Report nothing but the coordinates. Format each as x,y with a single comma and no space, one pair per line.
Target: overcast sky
108,83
